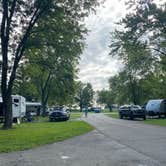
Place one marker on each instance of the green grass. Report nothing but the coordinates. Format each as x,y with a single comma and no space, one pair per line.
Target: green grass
113,114
159,122
29,135
74,115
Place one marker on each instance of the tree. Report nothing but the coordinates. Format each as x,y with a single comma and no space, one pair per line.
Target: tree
52,69
87,95
106,97
23,85
118,85
136,59
19,17
84,94
148,18
140,47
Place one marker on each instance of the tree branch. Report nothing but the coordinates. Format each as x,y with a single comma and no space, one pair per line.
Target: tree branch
20,49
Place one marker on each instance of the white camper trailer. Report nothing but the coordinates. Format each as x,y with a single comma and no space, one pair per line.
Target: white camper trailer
18,107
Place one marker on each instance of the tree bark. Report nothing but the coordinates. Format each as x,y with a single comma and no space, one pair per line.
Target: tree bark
7,109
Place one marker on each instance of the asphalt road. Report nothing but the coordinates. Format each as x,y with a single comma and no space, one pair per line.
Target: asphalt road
113,143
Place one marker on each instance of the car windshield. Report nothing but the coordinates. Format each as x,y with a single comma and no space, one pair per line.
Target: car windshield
136,107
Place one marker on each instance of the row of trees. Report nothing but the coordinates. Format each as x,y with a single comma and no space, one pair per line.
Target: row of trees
42,41
140,45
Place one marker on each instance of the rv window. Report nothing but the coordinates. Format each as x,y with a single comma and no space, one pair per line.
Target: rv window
16,100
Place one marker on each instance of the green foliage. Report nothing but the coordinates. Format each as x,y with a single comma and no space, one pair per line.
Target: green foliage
53,52
87,95
113,114
140,46
106,97
84,94
75,115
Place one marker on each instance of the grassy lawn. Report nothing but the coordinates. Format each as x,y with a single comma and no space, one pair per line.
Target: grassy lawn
75,115
113,114
159,122
29,135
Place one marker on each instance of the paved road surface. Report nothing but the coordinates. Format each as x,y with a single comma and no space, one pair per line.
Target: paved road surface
113,143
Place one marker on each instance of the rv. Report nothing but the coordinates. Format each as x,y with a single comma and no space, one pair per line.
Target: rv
156,107
34,108
18,107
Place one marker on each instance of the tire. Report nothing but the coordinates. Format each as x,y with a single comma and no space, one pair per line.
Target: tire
121,116
131,116
144,118
51,120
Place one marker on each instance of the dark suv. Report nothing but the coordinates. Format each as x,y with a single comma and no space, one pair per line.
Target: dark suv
132,111
59,115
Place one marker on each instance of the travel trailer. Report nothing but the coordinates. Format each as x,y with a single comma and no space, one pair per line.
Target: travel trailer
156,107
34,108
18,107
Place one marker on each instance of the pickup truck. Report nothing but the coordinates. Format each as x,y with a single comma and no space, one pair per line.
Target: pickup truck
132,111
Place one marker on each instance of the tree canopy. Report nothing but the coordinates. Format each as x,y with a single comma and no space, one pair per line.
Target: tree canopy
140,45
19,19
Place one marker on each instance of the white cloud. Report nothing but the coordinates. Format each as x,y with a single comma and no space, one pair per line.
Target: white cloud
96,65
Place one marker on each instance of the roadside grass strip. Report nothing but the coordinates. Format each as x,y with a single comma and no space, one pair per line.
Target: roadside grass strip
159,122
29,135
113,114
74,115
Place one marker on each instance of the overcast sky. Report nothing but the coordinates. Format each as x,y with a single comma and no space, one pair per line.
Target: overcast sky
96,65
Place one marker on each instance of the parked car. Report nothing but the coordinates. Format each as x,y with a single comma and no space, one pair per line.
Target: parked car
132,111
156,107
96,109
59,115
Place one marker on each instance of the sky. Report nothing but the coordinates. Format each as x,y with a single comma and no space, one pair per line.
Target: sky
96,65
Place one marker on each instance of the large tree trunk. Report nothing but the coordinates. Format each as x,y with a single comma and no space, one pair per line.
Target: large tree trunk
44,103
44,107
133,88
7,109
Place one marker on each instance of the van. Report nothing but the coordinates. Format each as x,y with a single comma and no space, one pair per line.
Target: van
156,107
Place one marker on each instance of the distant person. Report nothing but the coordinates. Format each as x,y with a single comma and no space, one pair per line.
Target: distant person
86,111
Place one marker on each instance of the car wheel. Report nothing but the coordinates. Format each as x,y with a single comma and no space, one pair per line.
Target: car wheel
121,116
131,116
144,118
